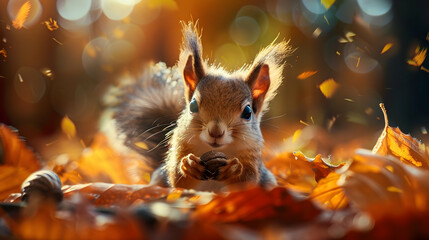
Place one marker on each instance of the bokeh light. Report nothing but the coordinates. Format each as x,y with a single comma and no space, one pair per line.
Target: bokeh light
29,84
245,30
375,7
73,9
117,9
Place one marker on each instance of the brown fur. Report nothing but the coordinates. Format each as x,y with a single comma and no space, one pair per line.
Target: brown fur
221,98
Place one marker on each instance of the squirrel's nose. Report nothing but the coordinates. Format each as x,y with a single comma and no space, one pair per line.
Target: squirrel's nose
216,132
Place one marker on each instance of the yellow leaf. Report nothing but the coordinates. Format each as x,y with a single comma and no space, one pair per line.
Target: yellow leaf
394,189
174,195
329,87
296,135
402,146
327,3
386,47
419,57
68,127
22,15
328,194
306,75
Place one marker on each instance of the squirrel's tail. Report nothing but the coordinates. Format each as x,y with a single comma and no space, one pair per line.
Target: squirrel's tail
147,109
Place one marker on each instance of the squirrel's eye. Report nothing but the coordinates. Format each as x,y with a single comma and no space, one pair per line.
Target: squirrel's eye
193,106
247,113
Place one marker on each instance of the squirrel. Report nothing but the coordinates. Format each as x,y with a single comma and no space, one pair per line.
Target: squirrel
182,112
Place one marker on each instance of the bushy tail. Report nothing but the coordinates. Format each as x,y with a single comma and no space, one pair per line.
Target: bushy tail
147,110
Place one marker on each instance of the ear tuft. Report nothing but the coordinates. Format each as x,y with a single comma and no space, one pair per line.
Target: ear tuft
190,59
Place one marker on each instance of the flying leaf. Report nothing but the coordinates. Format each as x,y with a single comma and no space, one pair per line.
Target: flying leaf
402,146
327,3
17,162
386,47
51,24
68,127
348,37
22,15
329,194
329,87
306,75
419,57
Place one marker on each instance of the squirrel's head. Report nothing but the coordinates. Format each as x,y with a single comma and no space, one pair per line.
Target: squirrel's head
226,108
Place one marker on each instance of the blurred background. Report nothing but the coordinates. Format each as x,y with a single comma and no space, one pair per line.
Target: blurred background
57,58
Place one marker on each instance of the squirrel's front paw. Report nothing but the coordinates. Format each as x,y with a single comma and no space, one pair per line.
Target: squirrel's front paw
191,167
232,169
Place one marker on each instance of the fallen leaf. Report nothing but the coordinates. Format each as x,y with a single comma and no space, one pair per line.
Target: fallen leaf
306,75
329,87
386,47
321,167
22,15
379,184
295,175
17,162
402,146
256,204
329,194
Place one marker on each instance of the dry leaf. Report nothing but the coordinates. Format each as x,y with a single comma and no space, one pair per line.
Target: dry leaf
379,184
295,175
22,15
17,162
327,3
329,87
402,146
256,204
68,127
321,167
386,47
306,75
328,194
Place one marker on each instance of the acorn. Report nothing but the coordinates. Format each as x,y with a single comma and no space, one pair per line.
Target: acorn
212,161
43,183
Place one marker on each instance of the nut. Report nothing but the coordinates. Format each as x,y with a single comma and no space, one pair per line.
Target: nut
212,161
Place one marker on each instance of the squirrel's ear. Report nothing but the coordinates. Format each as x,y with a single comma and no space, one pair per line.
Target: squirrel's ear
259,83
190,59
190,77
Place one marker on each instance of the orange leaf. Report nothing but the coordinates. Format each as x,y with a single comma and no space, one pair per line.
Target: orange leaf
402,146
51,24
386,47
256,204
321,167
293,174
22,15
328,194
17,162
329,87
306,75
379,184
419,57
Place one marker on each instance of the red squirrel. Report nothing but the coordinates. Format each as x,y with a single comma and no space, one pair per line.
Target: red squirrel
183,112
